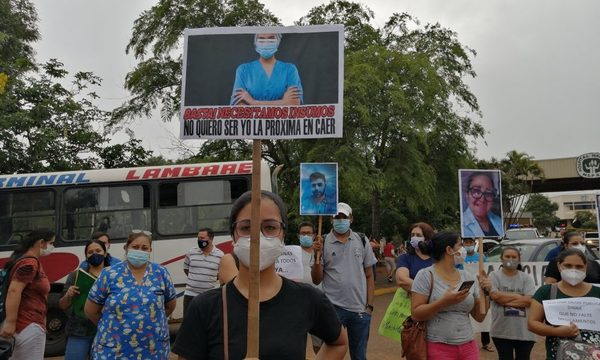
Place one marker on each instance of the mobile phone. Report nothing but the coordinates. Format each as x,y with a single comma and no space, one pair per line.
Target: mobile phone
466,285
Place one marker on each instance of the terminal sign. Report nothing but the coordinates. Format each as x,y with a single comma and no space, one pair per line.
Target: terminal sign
588,165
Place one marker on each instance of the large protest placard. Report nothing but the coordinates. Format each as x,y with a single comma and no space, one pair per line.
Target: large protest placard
263,82
289,263
318,188
398,310
583,312
598,212
480,203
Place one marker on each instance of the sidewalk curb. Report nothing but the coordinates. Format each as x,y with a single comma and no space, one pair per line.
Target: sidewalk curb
383,291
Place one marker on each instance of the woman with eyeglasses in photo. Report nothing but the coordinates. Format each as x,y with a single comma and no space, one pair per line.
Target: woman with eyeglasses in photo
478,218
130,303
288,310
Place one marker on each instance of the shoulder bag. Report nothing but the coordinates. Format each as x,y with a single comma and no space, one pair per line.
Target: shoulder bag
413,335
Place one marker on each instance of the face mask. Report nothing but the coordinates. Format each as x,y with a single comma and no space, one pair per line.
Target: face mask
270,249
415,240
341,226
266,48
137,258
47,251
305,240
202,243
459,256
580,247
95,259
470,249
572,276
510,264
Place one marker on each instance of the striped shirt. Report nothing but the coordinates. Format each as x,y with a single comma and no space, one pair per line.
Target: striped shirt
202,270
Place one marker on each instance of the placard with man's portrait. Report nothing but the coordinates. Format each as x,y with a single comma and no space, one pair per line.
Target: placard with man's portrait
318,188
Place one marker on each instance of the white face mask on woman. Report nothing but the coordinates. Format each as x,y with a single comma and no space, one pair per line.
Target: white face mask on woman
572,276
270,249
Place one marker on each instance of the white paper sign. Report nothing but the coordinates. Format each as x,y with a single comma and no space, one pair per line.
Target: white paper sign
583,312
289,263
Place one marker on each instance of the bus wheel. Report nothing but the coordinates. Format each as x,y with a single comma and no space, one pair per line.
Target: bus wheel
56,320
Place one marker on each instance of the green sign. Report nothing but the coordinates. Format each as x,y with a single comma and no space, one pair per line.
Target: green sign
396,313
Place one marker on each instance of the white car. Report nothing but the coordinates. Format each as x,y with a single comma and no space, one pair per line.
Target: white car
522,234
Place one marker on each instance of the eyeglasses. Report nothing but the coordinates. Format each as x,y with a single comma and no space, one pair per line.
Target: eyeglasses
267,227
138,231
477,194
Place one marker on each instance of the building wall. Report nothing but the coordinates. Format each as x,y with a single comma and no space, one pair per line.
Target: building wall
568,205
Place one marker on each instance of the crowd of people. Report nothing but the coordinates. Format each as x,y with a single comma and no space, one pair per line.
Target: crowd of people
124,312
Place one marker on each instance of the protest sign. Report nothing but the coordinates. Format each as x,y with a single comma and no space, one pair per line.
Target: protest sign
263,82
598,212
289,263
398,310
583,312
84,280
480,203
318,188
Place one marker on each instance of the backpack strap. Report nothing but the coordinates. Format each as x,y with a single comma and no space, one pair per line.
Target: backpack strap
363,238
430,286
553,291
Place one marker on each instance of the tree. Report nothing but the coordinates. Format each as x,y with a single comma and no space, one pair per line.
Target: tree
543,211
129,154
408,113
584,219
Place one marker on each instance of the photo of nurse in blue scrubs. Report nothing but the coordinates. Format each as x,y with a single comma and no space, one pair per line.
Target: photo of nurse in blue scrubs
267,81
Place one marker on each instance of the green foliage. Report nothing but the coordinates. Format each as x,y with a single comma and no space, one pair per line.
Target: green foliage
543,211
129,154
18,29
584,219
408,113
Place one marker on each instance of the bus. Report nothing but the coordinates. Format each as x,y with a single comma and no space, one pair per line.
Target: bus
171,201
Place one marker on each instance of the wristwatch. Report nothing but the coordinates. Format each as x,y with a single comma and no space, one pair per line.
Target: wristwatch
369,306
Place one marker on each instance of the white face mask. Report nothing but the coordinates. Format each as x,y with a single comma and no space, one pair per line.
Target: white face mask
47,251
572,276
270,249
579,247
459,256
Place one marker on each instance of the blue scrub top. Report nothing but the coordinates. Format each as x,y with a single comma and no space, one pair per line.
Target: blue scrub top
253,78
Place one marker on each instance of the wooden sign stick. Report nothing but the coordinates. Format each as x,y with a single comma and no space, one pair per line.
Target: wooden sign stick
320,224
254,284
481,271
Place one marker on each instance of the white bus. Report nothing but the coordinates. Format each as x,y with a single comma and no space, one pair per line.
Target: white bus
172,202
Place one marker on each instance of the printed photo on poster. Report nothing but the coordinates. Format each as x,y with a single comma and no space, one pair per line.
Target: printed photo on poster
318,188
263,82
480,203
598,212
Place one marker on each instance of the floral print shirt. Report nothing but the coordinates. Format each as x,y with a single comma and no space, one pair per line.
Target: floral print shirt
133,324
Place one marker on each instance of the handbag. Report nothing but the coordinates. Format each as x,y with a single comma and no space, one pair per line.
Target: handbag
414,335
576,349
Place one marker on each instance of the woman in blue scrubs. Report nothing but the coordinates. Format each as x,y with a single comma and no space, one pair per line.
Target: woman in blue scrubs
267,81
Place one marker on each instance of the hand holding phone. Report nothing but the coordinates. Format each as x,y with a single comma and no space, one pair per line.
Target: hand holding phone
466,285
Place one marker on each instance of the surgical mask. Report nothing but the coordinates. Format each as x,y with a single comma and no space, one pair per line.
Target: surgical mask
572,276
579,247
137,258
470,249
459,256
95,259
415,240
47,251
305,240
202,243
266,48
270,249
510,264
341,226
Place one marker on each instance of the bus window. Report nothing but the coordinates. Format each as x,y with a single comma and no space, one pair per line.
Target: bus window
185,207
24,211
115,210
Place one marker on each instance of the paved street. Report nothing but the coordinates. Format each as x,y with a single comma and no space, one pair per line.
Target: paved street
382,348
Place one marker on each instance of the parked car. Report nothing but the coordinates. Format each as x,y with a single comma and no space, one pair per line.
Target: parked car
531,249
489,244
522,234
592,240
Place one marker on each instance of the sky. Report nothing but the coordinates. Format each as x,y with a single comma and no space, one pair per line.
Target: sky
537,64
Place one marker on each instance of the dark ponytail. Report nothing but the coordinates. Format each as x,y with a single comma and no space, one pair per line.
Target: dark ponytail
27,243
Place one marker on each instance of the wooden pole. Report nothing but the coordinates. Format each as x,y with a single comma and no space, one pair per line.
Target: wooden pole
481,272
254,284
320,225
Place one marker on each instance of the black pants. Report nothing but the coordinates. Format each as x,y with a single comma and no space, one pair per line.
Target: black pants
187,299
513,349
485,338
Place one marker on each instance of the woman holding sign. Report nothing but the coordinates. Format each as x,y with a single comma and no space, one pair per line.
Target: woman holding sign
80,331
288,310
572,264
445,296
